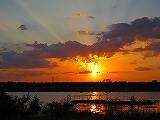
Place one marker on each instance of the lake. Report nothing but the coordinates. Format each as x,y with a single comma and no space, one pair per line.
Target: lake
58,96
47,97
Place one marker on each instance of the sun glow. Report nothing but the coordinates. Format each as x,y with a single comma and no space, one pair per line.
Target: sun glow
90,65
94,72
93,64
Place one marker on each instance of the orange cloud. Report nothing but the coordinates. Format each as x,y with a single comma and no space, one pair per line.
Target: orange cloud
80,15
85,32
142,69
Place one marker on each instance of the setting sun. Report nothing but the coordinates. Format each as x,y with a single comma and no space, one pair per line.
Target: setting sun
94,72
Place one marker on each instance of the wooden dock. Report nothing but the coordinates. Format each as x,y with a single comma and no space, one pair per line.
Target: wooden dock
87,97
113,102
98,99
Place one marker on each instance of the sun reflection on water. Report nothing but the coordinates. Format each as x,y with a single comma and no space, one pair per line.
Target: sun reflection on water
95,109
95,96
108,108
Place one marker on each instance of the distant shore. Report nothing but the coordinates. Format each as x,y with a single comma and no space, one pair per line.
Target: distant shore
80,87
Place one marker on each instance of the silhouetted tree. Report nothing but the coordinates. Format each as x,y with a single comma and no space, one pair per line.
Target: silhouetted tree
22,105
35,106
7,108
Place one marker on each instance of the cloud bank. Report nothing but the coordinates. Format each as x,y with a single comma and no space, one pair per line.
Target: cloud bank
109,43
13,59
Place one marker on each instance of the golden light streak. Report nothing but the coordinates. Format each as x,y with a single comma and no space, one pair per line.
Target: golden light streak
38,20
48,28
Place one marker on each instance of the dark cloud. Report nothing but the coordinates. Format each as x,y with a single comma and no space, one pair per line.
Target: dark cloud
85,72
23,27
122,34
64,50
13,59
110,46
114,72
151,50
0,58
25,73
36,44
142,69
134,62
4,49
141,28
28,73
125,34
71,49
90,17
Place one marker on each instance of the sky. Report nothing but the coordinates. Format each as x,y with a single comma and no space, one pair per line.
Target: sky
79,40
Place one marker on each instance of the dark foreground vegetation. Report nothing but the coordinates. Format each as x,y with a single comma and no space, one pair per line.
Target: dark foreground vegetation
80,86
25,108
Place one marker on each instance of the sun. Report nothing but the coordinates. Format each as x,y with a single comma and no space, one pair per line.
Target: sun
93,67
94,72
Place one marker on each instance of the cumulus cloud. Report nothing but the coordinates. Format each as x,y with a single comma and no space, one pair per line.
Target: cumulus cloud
23,27
142,69
13,59
71,49
36,58
67,49
80,15
141,29
3,28
36,44
151,50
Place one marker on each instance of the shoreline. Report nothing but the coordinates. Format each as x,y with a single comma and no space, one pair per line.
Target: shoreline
80,87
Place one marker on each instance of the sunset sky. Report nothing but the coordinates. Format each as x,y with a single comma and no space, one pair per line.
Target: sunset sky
79,40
